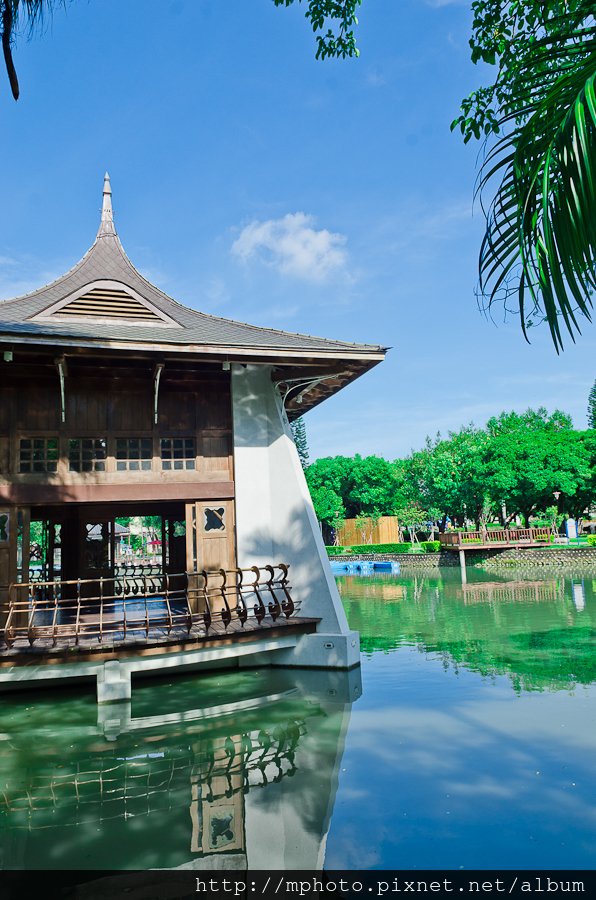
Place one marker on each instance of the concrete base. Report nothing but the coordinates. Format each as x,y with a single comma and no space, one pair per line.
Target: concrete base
113,682
323,651
314,651
114,676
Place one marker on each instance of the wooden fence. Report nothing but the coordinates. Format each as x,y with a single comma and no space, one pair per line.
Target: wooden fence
384,530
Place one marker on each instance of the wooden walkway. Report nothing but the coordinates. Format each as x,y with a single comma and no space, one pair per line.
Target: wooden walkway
495,539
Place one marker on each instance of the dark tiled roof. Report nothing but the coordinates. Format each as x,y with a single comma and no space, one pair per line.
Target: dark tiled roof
106,260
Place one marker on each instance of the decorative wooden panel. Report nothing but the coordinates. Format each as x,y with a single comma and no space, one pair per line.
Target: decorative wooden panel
210,533
4,457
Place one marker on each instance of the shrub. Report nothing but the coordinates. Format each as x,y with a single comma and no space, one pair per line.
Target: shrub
592,540
431,546
335,551
381,548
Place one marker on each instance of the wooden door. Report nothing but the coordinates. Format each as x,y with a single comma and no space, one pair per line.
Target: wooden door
210,535
96,548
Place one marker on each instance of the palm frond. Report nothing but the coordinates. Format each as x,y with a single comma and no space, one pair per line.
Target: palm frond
540,239
12,12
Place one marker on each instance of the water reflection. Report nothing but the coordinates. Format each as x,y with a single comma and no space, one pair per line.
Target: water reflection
537,630
205,783
446,766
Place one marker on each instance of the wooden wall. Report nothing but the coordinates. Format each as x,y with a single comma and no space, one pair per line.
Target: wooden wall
117,404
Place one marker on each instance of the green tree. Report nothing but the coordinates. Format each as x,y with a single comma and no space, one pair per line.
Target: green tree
328,506
592,407
299,434
449,475
539,246
583,495
531,420
328,480
413,517
371,487
366,486
528,467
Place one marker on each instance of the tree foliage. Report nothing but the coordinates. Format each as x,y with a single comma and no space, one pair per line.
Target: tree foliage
527,467
351,486
532,420
540,240
448,474
512,467
336,18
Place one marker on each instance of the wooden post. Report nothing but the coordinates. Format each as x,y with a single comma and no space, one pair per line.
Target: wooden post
25,514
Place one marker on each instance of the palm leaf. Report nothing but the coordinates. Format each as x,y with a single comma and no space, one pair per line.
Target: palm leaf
11,13
540,240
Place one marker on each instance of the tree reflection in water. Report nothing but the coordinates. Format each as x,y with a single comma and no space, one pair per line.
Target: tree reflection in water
537,629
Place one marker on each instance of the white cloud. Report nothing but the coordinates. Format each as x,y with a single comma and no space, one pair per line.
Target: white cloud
294,247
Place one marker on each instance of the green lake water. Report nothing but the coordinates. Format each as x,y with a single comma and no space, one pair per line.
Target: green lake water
466,740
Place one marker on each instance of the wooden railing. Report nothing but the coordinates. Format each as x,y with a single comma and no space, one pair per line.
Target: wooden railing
457,539
95,609
513,591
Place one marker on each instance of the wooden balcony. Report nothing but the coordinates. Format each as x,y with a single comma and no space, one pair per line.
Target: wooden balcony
494,538
122,613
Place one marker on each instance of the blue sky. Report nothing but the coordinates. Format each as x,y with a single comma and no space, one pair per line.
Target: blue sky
254,182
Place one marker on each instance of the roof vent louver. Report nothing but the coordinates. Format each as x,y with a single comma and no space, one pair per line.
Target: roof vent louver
110,303
107,301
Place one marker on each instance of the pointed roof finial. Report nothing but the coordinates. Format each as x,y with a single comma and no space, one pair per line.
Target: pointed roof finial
107,216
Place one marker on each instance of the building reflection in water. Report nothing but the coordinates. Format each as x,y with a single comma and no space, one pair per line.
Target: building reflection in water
246,782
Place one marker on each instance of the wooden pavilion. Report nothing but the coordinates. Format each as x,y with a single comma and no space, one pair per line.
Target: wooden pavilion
117,401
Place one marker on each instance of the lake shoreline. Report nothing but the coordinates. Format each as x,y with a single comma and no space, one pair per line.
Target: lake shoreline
580,558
